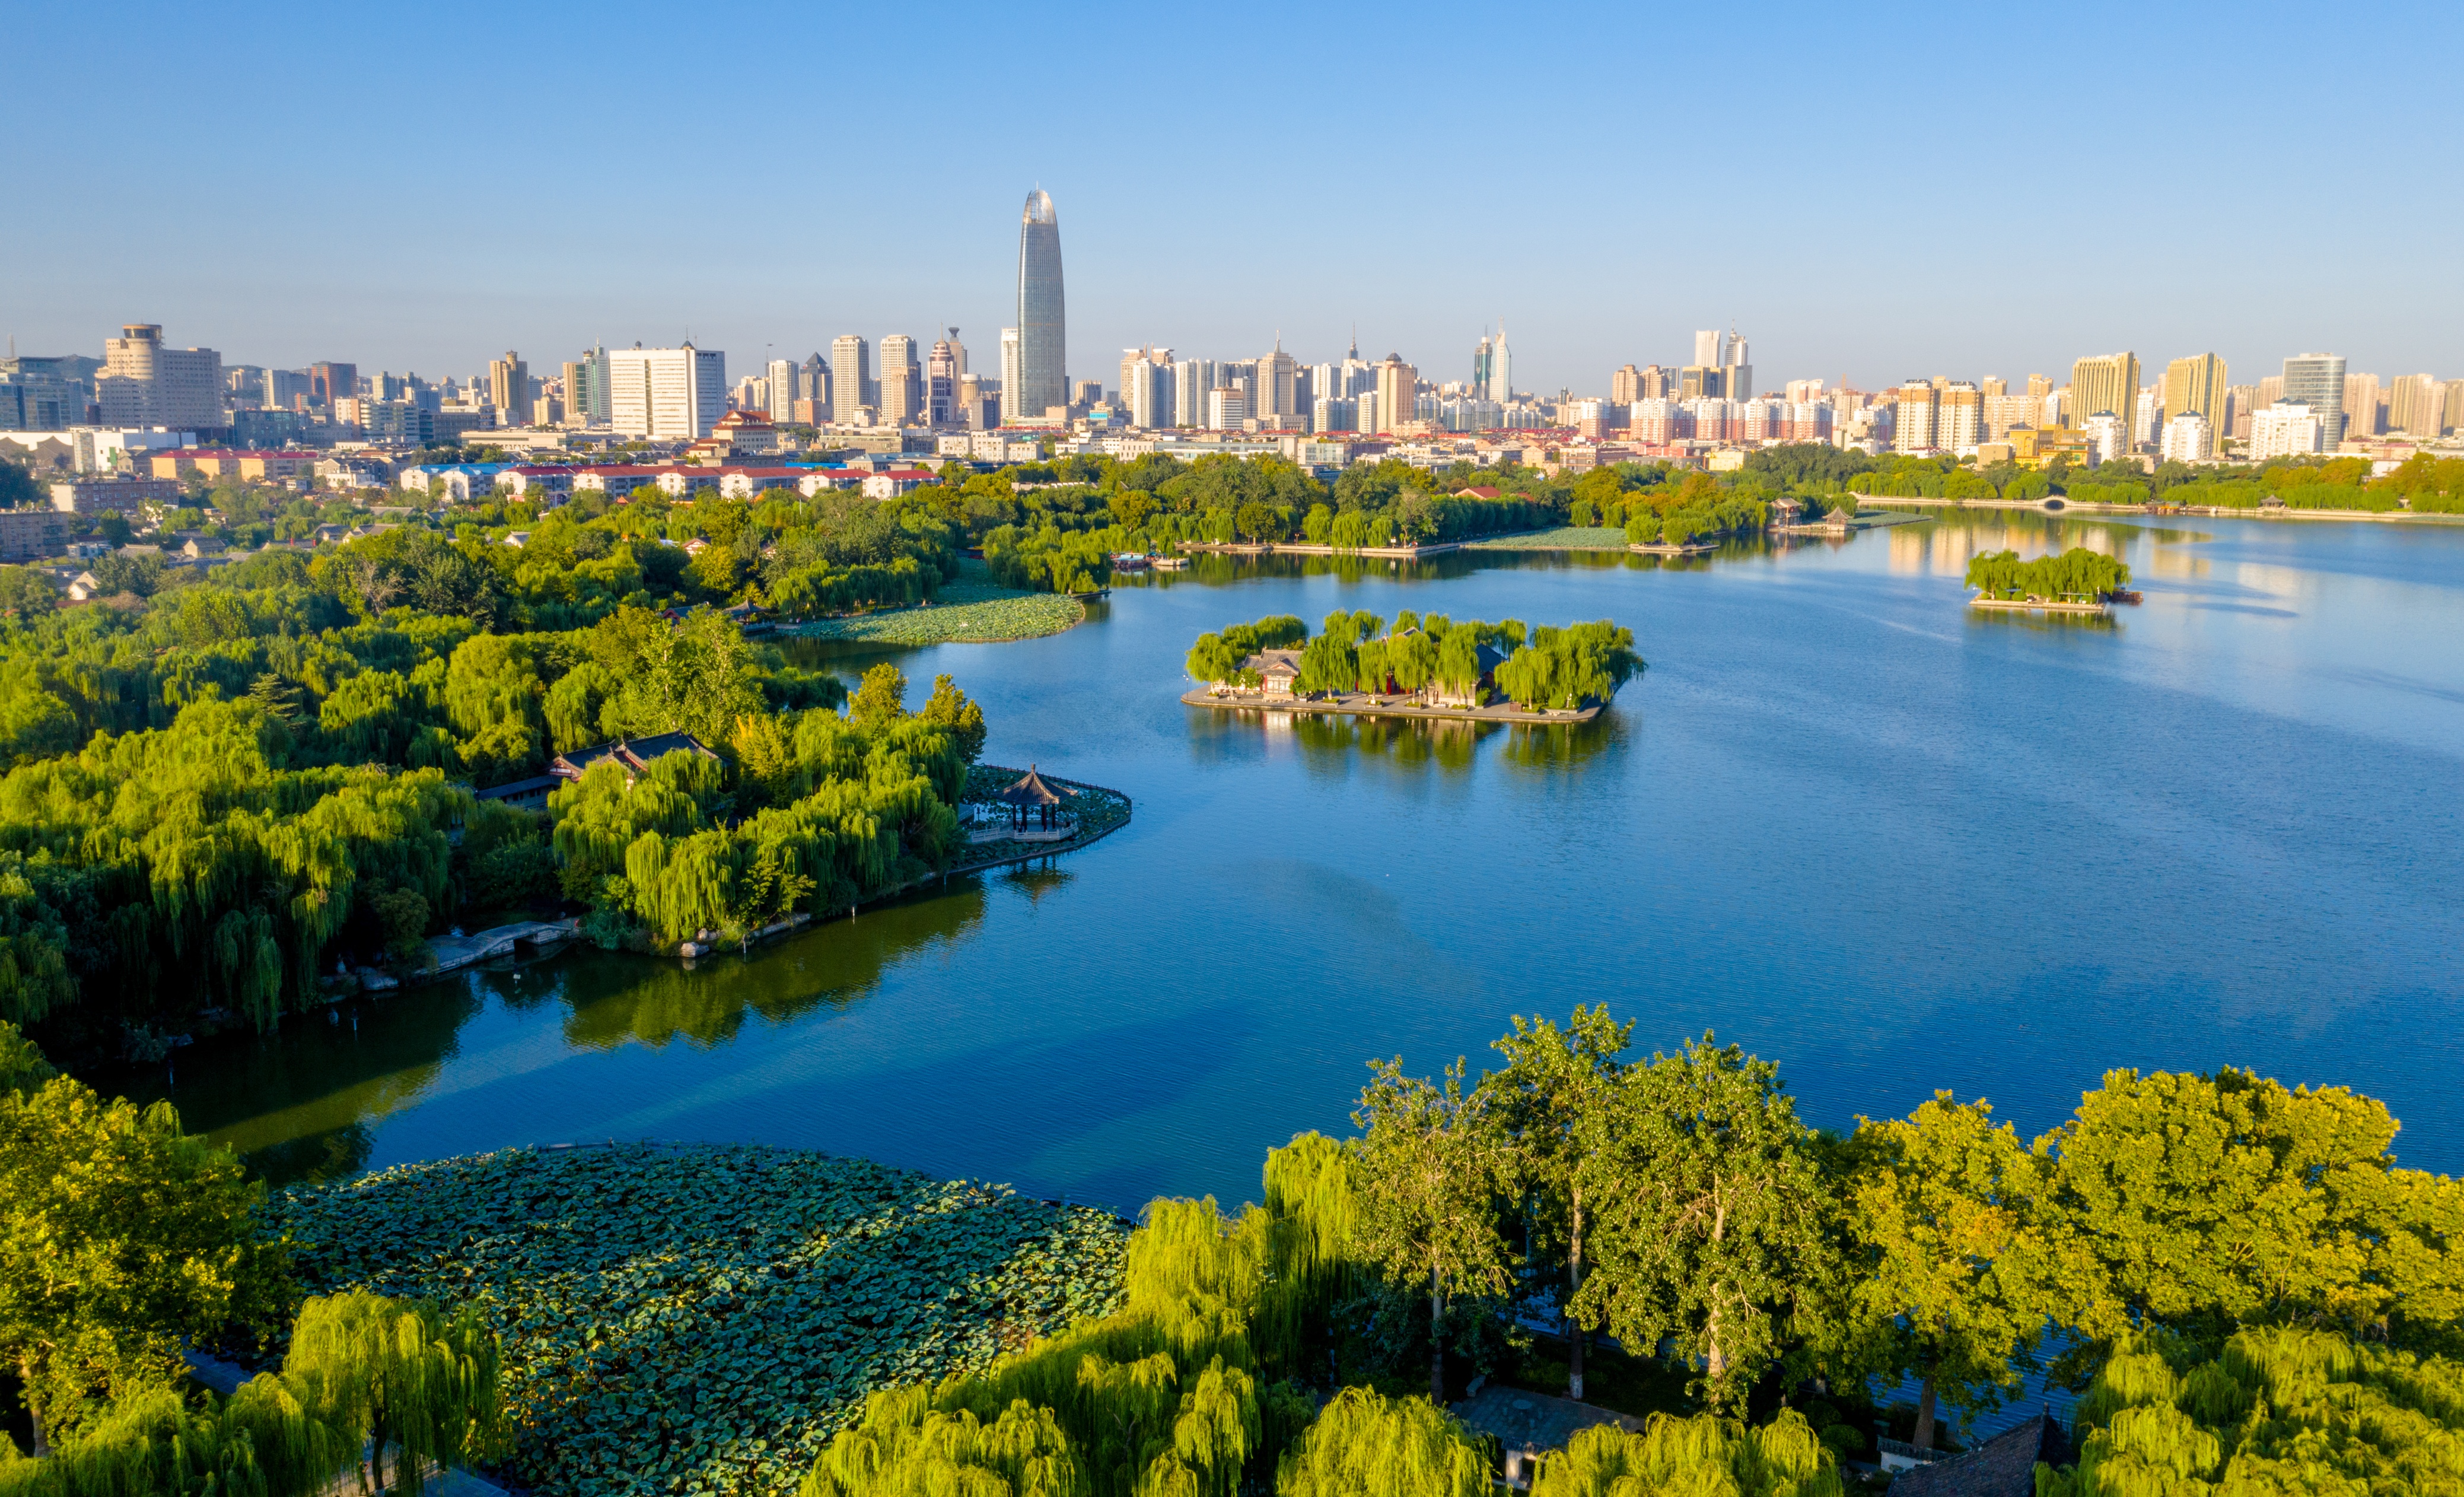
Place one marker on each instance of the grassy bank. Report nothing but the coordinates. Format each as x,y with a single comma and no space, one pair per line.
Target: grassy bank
702,1319
972,609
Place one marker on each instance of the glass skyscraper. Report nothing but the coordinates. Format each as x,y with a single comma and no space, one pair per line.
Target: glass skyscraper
2318,381
1043,378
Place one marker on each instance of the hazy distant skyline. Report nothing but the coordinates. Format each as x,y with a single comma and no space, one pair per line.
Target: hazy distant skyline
1864,194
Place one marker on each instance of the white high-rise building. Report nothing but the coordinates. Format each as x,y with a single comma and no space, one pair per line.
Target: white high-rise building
1501,368
1145,390
902,382
850,376
786,387
665,393
2187,439
1707,352
1226,409
2284,429
2108,437
145,382
2317,381
1009,378
2148,417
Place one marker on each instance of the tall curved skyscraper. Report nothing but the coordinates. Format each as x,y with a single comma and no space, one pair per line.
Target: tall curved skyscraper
1042,353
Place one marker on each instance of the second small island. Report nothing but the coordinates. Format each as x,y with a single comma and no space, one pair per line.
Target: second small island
1418,666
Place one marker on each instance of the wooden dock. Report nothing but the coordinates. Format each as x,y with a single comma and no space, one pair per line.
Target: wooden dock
1362,704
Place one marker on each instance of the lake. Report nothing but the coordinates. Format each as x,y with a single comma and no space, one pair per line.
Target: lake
1841,819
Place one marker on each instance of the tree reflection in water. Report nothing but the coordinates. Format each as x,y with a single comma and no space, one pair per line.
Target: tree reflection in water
300,1103
619,998
304,1104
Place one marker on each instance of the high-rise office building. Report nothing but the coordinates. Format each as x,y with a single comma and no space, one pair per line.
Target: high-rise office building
1912,428
1193,380
1702,382
2417,407
902,382
329,381
1009,378
509,388
850,376
2360,404
1501,368
1273,391
2316,381
943,368
586,388
1480,368
1737,378
2196,384
1707,352
817,386
1399,387
2107,383
786,387
144,384
1227,408
666,393
1043,335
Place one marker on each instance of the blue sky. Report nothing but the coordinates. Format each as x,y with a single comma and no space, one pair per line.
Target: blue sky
1868,192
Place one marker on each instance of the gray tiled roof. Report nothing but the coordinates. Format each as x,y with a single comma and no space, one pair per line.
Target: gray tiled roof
2003,1466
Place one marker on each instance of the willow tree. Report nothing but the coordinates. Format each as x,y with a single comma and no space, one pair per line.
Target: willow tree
1709,1224
1704,1454
1430,1169
1313,1213
1364,1444
903,1444
416,1385
2279,1409
1547,1098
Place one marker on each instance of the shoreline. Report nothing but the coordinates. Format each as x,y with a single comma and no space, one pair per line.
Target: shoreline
1360,704
2159,510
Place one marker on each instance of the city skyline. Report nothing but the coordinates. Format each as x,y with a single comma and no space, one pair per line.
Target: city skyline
1787,223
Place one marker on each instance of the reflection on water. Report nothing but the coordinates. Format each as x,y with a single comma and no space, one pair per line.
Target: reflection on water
303,1105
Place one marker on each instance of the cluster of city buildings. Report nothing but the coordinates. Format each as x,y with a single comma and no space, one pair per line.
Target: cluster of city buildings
156,412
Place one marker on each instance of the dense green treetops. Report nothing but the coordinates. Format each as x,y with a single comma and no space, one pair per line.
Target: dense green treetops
1358,651
2263,1300
213,794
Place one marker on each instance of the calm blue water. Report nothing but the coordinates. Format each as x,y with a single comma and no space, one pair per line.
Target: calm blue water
1891,845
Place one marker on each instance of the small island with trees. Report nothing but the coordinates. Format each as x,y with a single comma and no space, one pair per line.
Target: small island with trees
1419,667
2079,581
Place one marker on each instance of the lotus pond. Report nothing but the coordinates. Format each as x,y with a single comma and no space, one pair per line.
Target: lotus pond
702,1319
